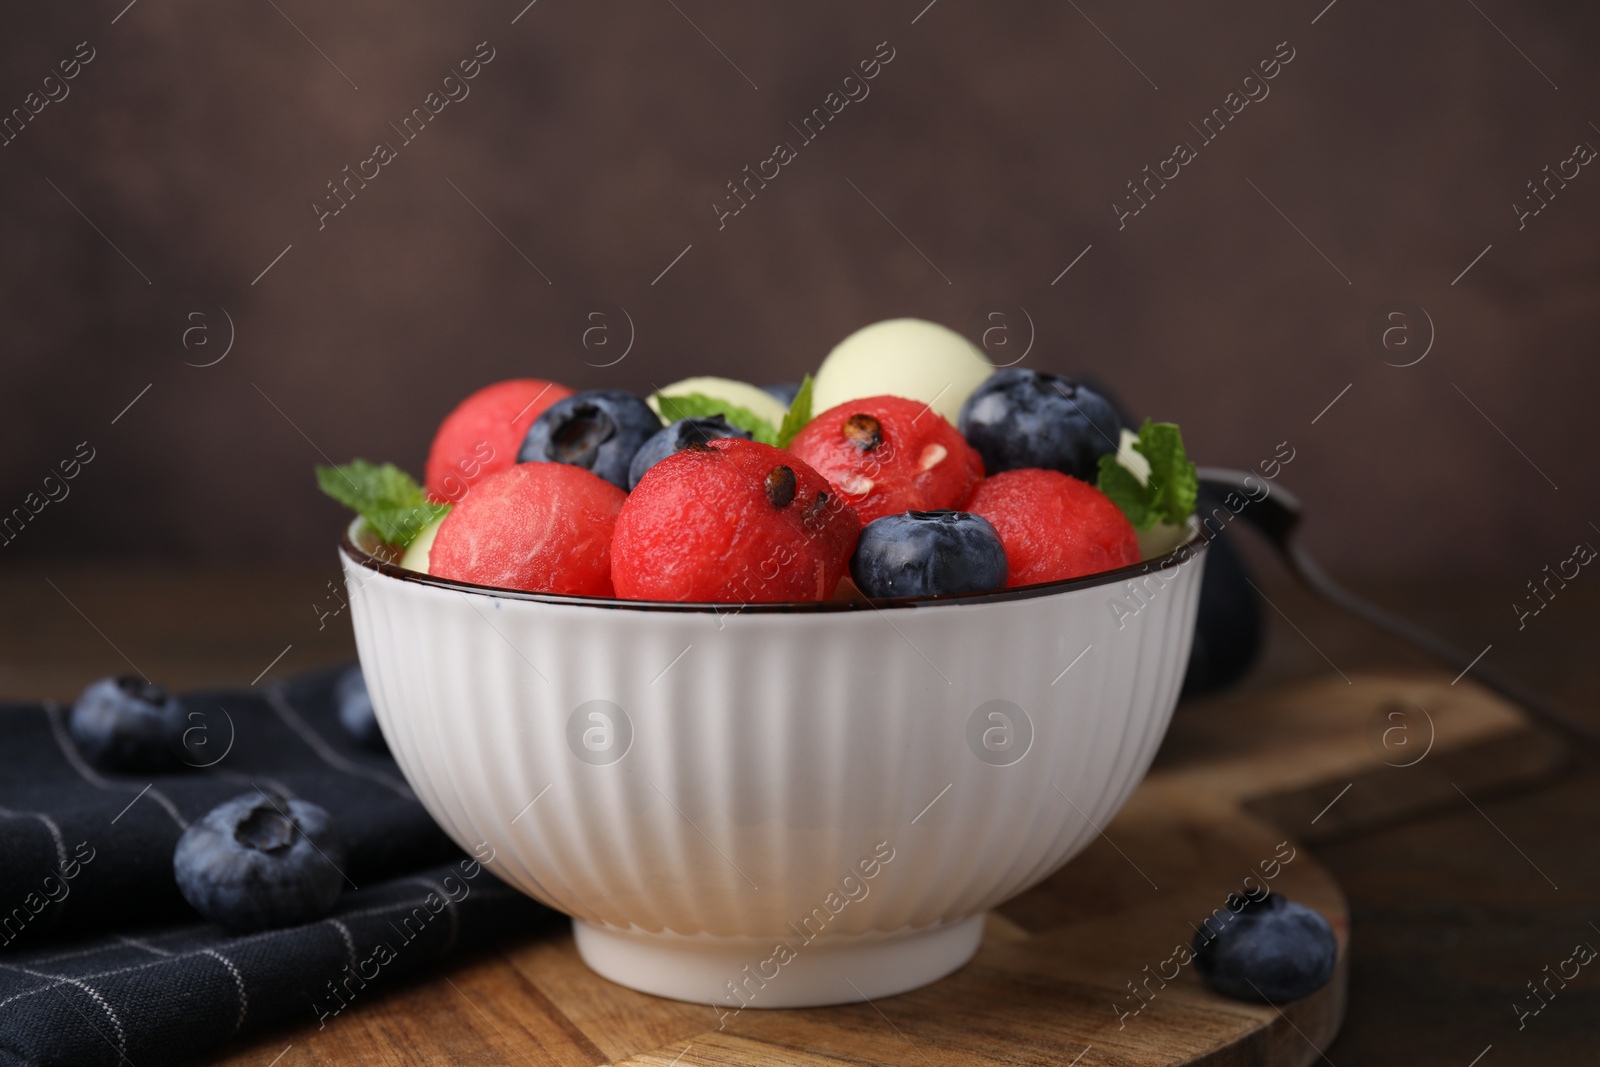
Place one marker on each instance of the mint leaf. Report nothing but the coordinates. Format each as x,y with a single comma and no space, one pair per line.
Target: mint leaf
699,406
1168,495
391,501
1162,444
1118,483
798,415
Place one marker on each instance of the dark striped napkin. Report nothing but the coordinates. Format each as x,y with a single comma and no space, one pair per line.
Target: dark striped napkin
102,961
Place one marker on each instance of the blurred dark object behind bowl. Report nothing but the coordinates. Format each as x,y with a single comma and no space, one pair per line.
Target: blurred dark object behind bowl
1227,631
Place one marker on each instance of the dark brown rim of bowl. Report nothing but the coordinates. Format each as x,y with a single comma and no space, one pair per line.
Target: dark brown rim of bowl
1197,542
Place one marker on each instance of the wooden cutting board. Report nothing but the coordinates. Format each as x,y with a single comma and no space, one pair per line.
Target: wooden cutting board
1243,786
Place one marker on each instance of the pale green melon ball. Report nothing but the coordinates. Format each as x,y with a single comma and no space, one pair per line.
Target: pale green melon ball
416,556
912,358
739,394
1160,539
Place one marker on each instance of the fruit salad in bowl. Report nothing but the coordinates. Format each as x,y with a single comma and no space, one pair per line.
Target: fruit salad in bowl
775,702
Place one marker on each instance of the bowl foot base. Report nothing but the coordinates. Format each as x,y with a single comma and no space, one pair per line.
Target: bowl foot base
732,973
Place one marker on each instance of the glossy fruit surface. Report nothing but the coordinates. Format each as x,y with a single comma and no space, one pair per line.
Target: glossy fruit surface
542,527
128,725
598,430
1054,526
928,553
887,454
1022,418
732,521
1271,950
484,432
677,437
260,861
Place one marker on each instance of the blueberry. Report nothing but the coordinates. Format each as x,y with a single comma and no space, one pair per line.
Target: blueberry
785,392
677,437
355,709
927,553
259,861
128,724
1021,418
1268,949
597,429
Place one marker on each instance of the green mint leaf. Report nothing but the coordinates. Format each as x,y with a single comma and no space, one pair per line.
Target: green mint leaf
1169,493
699,406
1118,483
1170,469
391,501
798,415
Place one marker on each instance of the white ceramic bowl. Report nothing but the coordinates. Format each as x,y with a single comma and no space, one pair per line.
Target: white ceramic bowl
779,805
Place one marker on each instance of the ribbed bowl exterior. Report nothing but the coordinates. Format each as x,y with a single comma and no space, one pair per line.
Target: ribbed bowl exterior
850,765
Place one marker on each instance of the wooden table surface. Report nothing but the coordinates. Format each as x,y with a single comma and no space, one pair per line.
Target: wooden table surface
1452,913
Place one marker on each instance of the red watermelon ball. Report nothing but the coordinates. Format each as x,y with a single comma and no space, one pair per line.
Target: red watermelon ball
1053,526
887,454
542,527
483,433
732,521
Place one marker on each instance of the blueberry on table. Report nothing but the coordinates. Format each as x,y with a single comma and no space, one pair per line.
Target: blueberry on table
677,437
1021,418
598,430
1270,950
355,709
928,553
129,725
260,861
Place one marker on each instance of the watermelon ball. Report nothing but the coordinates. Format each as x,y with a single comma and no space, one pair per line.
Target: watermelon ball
887,454
599,430
1054,526
542,527
482,435
732,521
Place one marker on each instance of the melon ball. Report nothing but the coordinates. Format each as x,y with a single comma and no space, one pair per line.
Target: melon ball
416,557
1053,526
887,454
739,394
912,358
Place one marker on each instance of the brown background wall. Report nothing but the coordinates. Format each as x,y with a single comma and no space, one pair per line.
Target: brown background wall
1396,140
